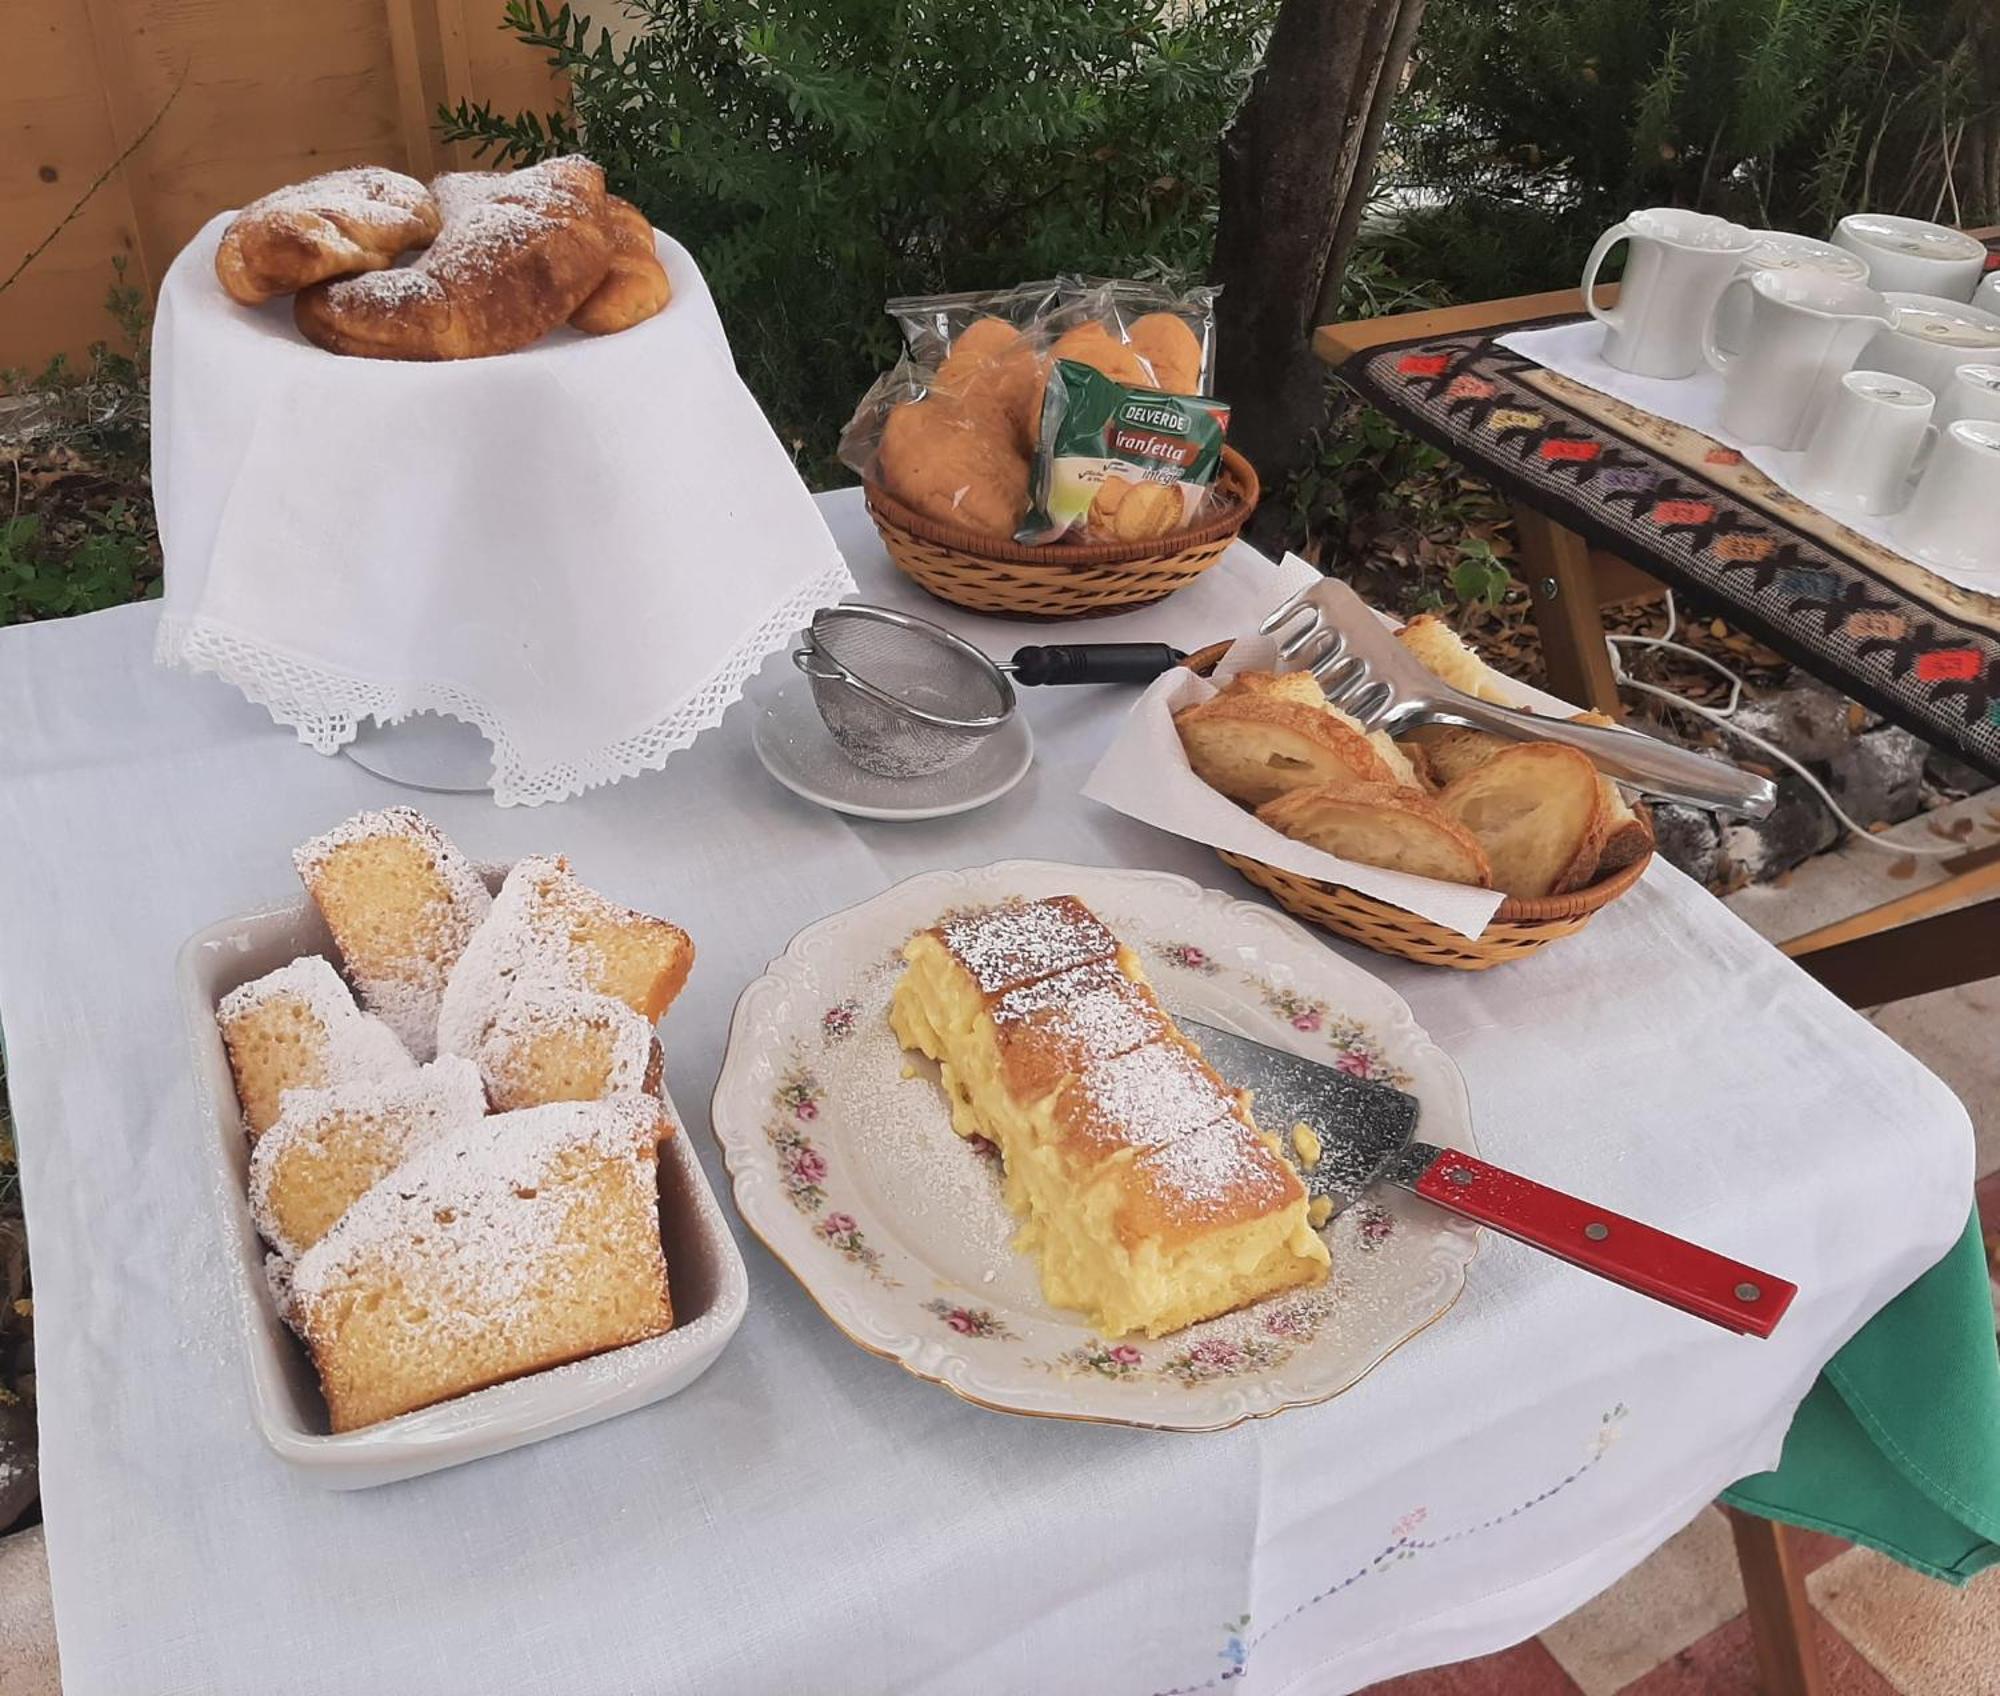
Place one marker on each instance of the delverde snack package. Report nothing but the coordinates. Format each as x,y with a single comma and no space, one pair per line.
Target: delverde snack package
1120,464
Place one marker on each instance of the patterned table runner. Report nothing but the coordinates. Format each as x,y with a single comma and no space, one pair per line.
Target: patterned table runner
1922,652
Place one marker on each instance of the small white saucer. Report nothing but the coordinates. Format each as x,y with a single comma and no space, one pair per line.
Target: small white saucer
792,741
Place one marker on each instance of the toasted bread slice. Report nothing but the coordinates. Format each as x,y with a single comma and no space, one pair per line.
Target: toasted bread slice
1453,750
1538,811
1441,651
1629,835
1264,735
1381,824
1304,688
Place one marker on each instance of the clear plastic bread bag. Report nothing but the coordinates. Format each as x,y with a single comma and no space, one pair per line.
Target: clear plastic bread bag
1171,330
932,323
951,444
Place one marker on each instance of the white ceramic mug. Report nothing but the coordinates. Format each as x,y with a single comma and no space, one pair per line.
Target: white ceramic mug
1974,392
1930,337
1911,256
1866,443
1679,264
1780,250
1951,518
1987,296
1805,330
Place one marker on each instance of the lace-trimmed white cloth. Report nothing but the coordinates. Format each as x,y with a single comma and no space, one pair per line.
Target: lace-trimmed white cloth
584,548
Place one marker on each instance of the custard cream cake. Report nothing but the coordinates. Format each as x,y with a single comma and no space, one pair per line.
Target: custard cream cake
1147,1194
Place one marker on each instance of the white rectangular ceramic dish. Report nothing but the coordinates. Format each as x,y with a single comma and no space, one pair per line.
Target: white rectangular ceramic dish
710,1287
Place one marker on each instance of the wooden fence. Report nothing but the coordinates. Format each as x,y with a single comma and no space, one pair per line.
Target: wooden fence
241,96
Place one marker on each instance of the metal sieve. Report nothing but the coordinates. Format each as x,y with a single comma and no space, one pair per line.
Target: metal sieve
903,697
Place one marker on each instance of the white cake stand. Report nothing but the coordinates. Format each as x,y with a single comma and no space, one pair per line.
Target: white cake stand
428,751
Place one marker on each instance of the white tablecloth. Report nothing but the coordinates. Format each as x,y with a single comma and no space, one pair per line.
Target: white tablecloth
809,1518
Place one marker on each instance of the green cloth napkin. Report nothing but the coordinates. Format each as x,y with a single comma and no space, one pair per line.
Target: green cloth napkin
1897,1445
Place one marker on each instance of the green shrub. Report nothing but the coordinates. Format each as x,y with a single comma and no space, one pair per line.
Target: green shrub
76,512
820,157
1528,127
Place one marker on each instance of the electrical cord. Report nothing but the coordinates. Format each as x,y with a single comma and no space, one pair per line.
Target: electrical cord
1724,717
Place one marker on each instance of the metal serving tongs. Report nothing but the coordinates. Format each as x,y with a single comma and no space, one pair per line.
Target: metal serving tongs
1330,631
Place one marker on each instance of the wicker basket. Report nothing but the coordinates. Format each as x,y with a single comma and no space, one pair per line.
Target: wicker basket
1063,579
1520,924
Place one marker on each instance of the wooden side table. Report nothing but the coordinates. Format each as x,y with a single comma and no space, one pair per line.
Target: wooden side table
1929,939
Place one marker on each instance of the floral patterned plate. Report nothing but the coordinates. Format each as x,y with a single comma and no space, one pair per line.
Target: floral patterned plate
845,1163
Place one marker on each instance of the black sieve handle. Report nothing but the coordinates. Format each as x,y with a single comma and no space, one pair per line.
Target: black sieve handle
1094,662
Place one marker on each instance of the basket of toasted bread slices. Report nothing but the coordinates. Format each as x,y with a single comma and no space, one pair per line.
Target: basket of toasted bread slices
1535,820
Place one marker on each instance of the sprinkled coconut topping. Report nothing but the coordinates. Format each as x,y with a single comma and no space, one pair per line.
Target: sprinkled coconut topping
1022,940
1094,1011
406,1112
358,1046
473,1219
406,998
366,194
1220,1166
487,215
1154,1094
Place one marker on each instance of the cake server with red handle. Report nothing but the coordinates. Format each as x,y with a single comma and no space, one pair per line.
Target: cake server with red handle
1367,1136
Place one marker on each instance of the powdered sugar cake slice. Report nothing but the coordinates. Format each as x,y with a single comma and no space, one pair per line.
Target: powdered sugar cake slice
550,1044
506,1246
298,1028
402,903
329,1146
550,933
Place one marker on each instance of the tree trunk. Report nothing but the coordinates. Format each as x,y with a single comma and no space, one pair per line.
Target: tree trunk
1295,175
1982,136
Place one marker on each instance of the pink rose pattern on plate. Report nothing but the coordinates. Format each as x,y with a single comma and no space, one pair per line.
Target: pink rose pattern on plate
981,1322
803,1169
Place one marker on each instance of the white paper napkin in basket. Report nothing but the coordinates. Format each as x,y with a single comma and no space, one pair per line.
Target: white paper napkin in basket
1145,775
584,547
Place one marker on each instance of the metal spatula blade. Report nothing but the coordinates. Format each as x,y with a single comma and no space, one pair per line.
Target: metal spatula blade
1330,631
1367,1137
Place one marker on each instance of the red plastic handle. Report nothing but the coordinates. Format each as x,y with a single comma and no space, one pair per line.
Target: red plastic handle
1670,1269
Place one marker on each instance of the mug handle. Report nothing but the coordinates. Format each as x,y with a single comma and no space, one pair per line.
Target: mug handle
1711,350
1605,243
